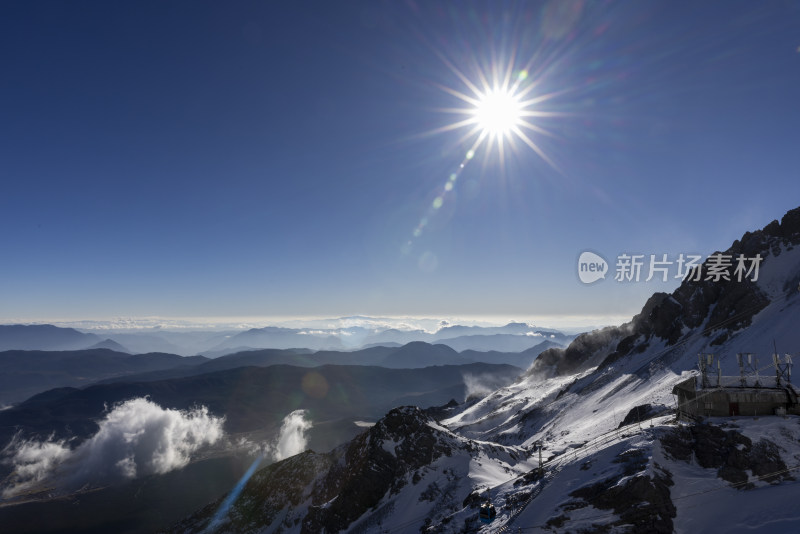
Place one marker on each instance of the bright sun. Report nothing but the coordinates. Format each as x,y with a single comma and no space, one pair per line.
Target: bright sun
498,112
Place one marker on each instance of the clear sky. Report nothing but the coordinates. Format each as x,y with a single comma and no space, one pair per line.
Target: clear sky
277,158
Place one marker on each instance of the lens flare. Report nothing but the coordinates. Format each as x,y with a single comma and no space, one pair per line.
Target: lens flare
502,106
222,511
314,385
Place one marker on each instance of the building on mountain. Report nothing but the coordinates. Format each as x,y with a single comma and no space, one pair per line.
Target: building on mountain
714,395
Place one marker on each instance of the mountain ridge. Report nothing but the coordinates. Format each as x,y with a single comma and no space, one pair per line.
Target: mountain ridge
586,404
720,306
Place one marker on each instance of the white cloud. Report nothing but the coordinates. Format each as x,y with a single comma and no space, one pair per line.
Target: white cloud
577,323
478,385
141,438
136,438
292,438
33,461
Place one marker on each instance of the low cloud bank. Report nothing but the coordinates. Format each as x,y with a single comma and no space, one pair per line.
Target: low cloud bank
136,438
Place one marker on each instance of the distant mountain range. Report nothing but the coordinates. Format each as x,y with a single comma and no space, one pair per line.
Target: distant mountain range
412,355
49,337
44,337
26,372
110,344
513,337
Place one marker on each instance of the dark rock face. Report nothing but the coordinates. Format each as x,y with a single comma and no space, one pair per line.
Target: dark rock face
643,412
642,503
438,413
579,354
268,493
369,470
719,307
338,487
731,453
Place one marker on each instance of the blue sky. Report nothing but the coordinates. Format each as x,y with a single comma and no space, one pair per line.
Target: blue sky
274,159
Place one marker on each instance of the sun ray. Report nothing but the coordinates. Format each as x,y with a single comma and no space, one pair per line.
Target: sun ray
485,82
461,111
451,127
470,134
525,139
509,72
543,98
538,129
501,151
546,114
478,141
458,94
458,73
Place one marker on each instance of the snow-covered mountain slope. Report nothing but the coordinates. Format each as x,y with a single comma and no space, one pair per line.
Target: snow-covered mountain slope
403,473
567,410
723,476
602,413
575,398
616,369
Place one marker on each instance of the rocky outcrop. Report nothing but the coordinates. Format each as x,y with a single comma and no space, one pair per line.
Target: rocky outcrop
373,464
641,501
328,492
728,451
718,307
437,413
643,412
584,351
269,494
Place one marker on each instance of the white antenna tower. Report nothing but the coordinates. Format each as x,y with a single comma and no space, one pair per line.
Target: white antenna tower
706,361
746,368
701,364
788,358
740,360
758,381
783,371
